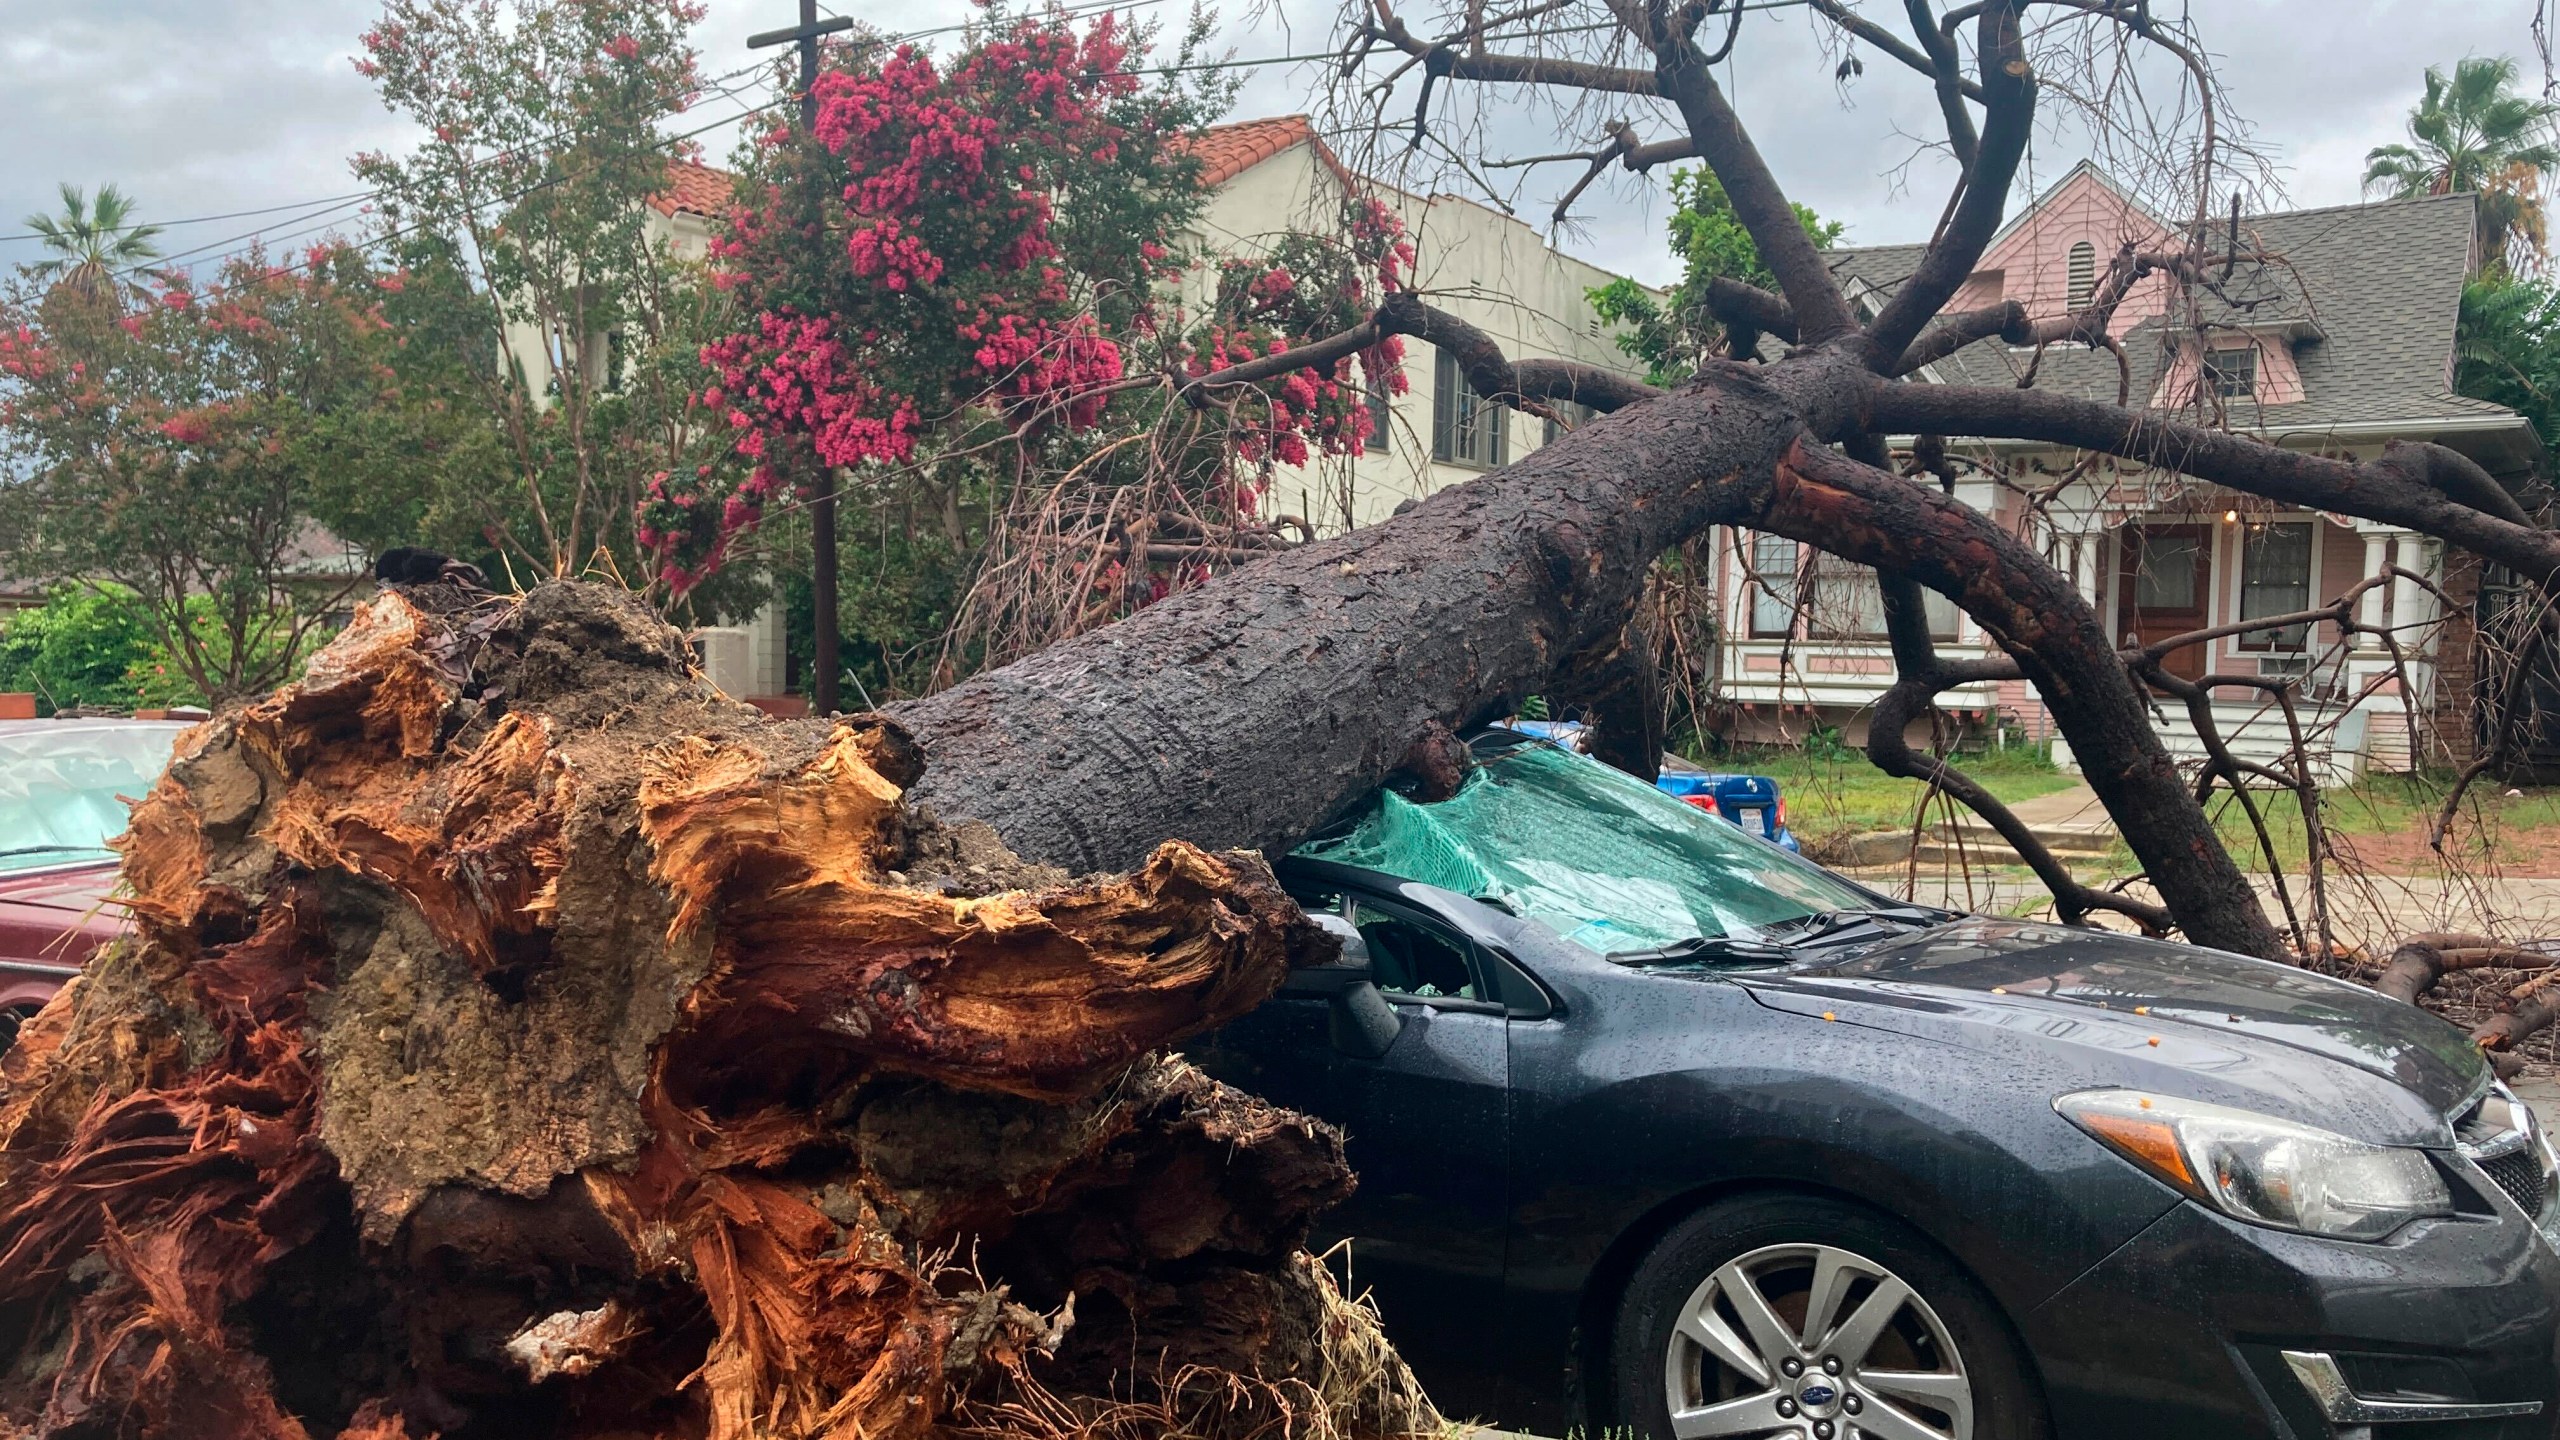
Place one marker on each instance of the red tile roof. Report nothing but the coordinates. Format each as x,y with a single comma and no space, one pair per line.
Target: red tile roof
1227,151
693,189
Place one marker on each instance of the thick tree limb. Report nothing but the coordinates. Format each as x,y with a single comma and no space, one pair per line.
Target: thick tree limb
2037,616
2425,487
1946,75
1444,60
1489,372
2009,97
1821,311
1923,675
1747,309
1495,376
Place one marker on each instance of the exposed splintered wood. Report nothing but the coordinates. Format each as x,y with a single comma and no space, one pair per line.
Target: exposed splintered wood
522,1039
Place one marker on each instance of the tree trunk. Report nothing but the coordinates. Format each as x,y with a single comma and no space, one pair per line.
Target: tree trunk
522,1039
1249,711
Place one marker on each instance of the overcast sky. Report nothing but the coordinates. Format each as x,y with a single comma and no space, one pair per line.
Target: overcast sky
197,107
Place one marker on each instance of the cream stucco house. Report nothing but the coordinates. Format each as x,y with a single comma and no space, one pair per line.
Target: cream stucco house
1487,268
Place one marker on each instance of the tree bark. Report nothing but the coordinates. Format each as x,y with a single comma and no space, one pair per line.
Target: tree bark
1248,712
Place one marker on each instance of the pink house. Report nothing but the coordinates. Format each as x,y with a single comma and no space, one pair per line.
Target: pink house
2344,344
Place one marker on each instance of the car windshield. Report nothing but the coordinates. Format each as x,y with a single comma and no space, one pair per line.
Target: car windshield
63,792
1593,853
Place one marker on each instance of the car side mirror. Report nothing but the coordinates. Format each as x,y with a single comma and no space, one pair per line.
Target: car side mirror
1360,1022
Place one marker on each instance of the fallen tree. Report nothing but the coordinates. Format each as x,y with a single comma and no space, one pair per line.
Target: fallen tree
522,1039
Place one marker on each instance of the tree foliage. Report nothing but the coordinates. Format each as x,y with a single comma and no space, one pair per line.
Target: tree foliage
2508,349
84,646
968,296
1710,242
2472,132
525,213
93,245
181,451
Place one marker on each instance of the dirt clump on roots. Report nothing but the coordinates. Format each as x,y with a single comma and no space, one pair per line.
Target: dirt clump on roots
520,1038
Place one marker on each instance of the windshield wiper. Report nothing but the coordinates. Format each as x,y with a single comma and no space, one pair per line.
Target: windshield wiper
1827,922
1708,950
54,850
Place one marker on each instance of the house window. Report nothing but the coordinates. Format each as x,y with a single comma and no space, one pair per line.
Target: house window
2275,579
2231,372
1848,603
613,357
1382,414
1466,429
2084,276
1773,585
1574,415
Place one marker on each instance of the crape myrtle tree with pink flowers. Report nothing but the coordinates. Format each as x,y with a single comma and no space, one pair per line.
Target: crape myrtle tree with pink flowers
175,444
967,302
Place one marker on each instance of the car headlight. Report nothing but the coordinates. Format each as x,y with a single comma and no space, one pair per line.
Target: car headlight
2263,1170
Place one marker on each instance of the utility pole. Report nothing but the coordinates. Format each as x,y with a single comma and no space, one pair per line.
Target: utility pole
825,667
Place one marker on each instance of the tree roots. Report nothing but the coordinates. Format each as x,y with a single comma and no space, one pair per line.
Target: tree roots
522,1039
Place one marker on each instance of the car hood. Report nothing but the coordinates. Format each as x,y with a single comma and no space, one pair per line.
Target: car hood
76,889
2146,1012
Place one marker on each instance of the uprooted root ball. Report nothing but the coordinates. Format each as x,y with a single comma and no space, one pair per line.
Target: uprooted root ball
520,1038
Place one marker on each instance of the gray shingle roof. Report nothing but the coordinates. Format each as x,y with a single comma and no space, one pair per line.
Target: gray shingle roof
2372,292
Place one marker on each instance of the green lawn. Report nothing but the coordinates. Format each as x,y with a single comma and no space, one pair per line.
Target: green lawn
2385,820
1835,793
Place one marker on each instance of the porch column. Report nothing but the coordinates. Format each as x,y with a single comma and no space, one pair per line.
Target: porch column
1735,592
2369,604
2411,603
2088,553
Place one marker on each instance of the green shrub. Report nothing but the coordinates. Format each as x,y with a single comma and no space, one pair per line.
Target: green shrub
95,645
79,648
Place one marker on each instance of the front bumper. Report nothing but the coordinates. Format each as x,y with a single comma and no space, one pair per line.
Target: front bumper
2183,1330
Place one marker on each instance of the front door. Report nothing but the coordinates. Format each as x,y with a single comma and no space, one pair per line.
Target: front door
2162,589
1426,1127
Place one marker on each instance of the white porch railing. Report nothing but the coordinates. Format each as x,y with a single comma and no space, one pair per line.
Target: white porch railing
2344,741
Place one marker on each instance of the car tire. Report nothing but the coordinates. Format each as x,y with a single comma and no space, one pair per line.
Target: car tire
1928,1342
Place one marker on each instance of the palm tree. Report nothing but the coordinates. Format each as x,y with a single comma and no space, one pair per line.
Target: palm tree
91,244
2471,133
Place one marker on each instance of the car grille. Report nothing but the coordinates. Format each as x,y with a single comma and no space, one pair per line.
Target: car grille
2520,1175
2497,1135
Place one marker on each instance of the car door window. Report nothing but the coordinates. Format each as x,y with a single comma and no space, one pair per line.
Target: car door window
1409,959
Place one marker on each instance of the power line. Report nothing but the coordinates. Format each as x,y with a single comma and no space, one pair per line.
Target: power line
204,219
718,84
399,232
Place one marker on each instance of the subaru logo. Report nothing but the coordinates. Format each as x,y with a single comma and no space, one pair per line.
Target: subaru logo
1817,1395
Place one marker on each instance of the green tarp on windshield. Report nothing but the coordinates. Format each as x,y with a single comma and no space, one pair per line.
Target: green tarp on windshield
1597,855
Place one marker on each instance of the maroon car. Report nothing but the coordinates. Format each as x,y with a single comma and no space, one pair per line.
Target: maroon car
65,788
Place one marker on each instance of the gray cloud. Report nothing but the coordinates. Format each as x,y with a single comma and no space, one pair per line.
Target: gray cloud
221,105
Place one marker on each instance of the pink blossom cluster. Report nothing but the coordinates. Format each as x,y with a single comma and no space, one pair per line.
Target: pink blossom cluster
942,180
793,377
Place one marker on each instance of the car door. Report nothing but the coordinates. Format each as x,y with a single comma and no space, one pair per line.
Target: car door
1426,1126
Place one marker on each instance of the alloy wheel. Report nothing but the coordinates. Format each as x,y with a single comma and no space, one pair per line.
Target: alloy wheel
1813,1341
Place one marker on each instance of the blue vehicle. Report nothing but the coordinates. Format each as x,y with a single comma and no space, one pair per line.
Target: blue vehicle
1749,801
